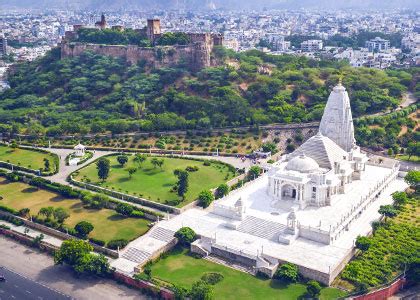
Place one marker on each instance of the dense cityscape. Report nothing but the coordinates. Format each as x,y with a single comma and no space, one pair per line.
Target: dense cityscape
196,151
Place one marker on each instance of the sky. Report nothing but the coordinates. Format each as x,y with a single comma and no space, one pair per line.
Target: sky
199,4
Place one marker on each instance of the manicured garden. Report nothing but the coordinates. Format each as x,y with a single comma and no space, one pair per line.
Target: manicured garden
26,158
182,269
394,246
156,182
108,224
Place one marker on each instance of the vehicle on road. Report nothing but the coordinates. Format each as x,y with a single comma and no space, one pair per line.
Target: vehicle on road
2,278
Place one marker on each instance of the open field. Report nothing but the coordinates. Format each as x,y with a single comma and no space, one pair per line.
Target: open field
182,269
155,183
25,157
108,224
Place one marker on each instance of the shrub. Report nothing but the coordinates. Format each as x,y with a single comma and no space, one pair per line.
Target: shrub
124,209
287,272
222,190
363,243
118,243
205,198
97,241
191,169
137,214
201,290
83,228
185,236
212,278
313,288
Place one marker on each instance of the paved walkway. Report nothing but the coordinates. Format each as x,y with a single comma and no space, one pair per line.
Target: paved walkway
64,170
33,233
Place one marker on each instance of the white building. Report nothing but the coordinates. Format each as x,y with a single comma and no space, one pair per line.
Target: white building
307,209
311,46
378,44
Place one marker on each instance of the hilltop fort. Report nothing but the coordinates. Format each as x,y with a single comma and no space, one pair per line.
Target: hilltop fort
194,52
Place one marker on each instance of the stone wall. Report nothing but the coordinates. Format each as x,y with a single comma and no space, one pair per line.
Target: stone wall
195,55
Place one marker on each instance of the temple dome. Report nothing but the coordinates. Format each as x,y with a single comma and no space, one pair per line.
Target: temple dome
303,164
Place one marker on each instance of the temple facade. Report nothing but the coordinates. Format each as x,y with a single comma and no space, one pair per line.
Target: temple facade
325,164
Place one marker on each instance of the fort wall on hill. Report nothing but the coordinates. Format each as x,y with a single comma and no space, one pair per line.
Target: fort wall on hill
196,55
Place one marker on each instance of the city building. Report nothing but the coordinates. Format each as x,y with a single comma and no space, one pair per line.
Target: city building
3,46
378,44
311,46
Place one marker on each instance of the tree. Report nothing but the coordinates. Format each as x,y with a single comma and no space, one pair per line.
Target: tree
60,214
313,289
269,147
122,159
254,172
400,198
155,162
77,254
201,291
46,211
222,190
413,179
46,164
287,272
205,198
83,228
92,264
124,209
182,184
185,236
103,166
131,171
139,159
413,148
71,251
160,163
24,212
388,211
363,243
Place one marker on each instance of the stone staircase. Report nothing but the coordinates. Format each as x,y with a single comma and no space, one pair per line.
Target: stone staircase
262,228
162,234
136,255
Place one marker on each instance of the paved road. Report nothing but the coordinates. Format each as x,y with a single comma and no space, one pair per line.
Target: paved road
19,287
40,268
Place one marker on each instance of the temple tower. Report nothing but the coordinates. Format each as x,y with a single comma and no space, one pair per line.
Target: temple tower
337,121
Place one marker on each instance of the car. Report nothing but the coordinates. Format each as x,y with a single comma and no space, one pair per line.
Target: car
2,278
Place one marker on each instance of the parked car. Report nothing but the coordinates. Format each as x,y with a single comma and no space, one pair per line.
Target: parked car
2,278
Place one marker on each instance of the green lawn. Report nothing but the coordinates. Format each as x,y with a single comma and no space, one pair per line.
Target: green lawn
182,269
155,183
25,157
108,224
413,158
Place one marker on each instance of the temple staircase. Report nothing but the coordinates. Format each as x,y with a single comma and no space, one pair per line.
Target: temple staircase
262,228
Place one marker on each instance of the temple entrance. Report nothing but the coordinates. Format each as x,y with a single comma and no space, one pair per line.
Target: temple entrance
288,192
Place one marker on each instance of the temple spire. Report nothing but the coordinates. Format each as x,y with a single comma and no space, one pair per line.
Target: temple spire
337,121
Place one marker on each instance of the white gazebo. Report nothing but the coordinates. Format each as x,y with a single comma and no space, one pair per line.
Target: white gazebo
80,150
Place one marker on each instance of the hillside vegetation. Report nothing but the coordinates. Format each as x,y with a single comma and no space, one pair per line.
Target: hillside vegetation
94,93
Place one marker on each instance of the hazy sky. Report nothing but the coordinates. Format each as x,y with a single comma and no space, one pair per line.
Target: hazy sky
199,4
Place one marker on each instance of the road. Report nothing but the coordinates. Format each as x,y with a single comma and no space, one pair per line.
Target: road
17,287
39,268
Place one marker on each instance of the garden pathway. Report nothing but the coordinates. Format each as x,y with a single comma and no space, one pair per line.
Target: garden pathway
65,171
